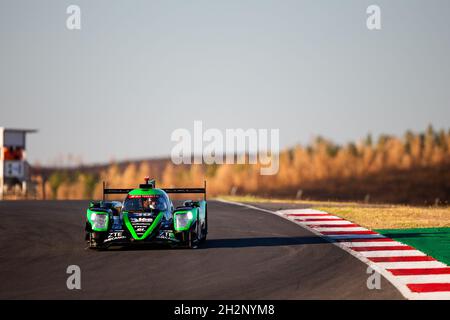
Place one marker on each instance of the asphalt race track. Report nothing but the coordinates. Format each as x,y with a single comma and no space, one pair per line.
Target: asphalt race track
249,254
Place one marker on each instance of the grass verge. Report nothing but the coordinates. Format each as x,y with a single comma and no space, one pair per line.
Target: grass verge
435,242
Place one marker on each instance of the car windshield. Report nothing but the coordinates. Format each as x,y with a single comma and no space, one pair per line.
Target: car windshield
145,203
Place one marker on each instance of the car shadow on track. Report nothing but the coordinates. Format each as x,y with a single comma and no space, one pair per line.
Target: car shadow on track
260,242
232,243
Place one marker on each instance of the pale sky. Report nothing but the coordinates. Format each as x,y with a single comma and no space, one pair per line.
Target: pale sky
137,70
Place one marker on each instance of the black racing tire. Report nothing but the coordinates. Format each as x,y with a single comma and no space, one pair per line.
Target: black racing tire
191,243
90,241
193,240
204,230
96,243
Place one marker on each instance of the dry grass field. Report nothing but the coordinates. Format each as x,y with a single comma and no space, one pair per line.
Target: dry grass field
373,216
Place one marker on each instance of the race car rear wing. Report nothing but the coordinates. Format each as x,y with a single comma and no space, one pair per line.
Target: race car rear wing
150,185
188,190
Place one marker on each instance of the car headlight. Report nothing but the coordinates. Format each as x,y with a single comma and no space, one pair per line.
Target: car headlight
183,219
99,221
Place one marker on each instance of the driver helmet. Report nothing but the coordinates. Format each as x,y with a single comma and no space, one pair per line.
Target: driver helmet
153,203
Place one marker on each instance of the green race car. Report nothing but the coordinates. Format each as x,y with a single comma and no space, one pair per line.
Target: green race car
147,215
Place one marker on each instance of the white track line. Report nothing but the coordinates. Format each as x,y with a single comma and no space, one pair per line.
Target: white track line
339,229
412,265
430,296
311,217
354,236
337,222
305,211
372,244
393,253
429,278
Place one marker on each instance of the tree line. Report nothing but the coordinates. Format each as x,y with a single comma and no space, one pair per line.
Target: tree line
413,168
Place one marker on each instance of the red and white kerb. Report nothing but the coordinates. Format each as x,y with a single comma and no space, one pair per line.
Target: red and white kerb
415,274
